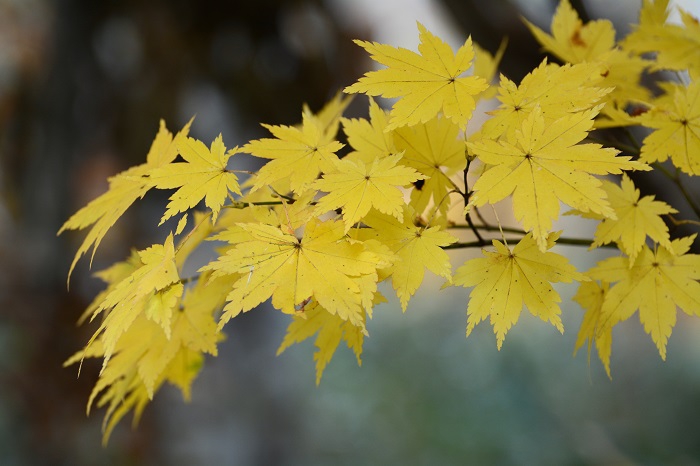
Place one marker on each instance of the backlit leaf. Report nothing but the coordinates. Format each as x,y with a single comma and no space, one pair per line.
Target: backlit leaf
655,284
368,138
330,330
636,218
323,265
297,154
131,296
124,188
591,296
357,187
575,42
557,91
506,279
677,46
545,164
426,83
677,129
435,150
203,175
417,248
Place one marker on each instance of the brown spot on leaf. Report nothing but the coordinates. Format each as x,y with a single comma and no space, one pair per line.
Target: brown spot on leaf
577,40
638,111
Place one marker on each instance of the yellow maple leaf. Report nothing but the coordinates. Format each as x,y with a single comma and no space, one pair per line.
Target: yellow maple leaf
557,91
543,165
426,83
677,46
159,307
591,296
201,229
416,249
331,330
119,386
271,209
435,150
328,118
145,356
156,276
368,137
357,188
124,189
653,13
636,218
323,265
506,280
299,154
486,66
112,276
655,284
676,121
199,305
203,175
193,331
575,42
383,252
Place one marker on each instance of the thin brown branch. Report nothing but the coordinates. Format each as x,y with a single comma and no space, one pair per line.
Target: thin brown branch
465,195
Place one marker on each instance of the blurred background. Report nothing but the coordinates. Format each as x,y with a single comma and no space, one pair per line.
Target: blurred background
83,85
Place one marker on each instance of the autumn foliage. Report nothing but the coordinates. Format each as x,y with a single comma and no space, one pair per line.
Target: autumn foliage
321,224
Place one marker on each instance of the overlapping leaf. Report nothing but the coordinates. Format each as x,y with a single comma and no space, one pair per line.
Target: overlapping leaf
329,117
299,154
486,66
591,296
145,356
323,265
356,188
368,138
636,219
655,284
435,150
543,165
124,188
557,91
331,330
677,129
153,286
677,46
417,248
575,42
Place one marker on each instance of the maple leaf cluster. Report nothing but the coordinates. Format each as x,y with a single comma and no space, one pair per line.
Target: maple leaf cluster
321,224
